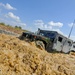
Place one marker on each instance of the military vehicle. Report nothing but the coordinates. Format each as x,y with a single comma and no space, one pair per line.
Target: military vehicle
49,40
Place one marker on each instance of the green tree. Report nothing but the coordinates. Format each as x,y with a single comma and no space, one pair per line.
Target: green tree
18,27
2,23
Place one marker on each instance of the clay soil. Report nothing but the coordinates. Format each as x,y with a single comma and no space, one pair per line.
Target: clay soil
19,57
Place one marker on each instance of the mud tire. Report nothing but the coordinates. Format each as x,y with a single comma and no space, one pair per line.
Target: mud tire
40,44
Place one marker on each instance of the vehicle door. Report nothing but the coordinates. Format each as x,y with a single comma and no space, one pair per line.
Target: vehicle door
67,46
58,43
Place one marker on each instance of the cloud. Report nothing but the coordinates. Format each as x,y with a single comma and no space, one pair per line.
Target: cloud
58,30
71,24
56,24
7,6
12,16
48,26
39,23
73,38
13,23
42,25
22,24
13,20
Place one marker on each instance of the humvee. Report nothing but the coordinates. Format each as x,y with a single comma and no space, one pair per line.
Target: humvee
49,40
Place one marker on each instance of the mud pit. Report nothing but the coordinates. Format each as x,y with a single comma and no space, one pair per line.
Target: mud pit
21,58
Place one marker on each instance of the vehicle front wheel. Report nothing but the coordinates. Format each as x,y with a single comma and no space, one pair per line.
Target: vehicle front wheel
40,44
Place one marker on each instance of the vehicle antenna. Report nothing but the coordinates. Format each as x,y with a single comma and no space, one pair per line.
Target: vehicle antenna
68,35
71,29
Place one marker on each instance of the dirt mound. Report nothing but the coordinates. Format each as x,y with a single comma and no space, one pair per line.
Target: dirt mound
12,29
21,58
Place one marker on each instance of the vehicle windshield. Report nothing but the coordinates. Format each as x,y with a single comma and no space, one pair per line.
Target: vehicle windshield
50,34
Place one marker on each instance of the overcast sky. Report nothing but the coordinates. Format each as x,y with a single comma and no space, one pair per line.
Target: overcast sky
57,15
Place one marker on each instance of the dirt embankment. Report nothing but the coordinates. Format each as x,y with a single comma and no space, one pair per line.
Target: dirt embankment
11,29
21,58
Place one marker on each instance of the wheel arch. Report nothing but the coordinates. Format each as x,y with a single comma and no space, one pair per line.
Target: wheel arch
44,42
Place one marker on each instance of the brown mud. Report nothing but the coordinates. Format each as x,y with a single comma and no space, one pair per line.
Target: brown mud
18,57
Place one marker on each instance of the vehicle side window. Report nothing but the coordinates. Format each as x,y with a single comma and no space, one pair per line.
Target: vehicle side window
69,43
60,39
42,34
73,46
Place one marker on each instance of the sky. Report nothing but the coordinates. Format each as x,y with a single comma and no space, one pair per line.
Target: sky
56,15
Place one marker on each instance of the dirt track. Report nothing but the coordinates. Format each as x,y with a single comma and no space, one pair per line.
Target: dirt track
21,58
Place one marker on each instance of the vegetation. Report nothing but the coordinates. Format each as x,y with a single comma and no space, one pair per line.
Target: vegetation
2,24
18,27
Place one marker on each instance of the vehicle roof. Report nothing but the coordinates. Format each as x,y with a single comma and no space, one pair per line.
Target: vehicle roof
56,33
49,31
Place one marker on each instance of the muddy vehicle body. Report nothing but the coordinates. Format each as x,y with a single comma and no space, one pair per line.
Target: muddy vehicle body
38,37
27,36
49,40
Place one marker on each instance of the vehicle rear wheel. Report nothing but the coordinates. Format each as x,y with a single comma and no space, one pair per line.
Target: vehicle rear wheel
40,44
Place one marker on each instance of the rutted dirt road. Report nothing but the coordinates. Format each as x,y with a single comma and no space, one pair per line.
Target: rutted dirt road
22,58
